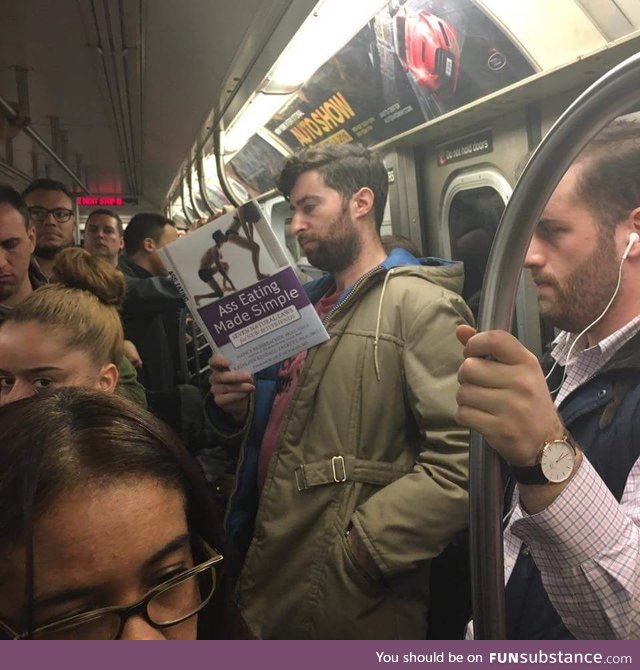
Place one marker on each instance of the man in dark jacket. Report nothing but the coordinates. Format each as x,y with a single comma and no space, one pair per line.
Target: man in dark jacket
152,316
151,324
576,463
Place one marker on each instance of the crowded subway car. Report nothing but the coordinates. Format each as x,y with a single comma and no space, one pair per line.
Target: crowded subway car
247,270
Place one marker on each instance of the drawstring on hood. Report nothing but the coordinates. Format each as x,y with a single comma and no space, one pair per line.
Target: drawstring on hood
447,274
376,364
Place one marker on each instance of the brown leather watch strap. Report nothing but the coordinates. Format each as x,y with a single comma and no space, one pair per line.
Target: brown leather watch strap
531,474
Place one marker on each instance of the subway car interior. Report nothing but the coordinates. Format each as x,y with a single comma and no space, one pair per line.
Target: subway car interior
184,110
188,109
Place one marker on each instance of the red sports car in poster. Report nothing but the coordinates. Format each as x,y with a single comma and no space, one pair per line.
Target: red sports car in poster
428,49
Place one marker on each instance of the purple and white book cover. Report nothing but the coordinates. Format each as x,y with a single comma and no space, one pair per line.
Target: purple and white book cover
241,288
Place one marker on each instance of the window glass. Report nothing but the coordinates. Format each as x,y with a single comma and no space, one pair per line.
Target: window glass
474,215
256,166
211,182
186,202
195,192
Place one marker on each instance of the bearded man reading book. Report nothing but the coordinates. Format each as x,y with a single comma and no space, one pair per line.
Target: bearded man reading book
353,471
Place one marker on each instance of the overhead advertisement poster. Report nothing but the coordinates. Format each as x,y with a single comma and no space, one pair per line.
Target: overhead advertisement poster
413,62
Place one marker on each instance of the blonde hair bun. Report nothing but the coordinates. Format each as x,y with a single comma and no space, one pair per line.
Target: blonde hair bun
76,268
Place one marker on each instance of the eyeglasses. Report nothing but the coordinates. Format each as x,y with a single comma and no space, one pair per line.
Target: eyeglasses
166,605
60,214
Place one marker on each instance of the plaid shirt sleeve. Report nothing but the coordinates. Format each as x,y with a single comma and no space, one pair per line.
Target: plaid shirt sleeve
587,547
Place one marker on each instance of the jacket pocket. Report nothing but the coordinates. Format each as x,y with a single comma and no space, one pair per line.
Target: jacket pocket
357,573
351,605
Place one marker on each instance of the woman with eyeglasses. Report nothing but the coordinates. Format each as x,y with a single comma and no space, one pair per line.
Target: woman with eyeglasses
107,529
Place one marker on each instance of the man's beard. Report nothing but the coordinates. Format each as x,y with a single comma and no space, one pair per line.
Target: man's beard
338,249
7,291
48,253
583,295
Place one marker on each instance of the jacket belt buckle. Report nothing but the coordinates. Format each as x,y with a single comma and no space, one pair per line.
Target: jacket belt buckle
301,480
338,461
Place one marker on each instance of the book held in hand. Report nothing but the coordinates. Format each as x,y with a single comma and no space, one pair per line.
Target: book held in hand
242,290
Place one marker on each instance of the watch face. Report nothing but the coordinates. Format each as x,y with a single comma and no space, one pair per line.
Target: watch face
558,459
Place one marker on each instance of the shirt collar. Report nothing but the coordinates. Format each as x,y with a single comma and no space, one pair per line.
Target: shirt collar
605,348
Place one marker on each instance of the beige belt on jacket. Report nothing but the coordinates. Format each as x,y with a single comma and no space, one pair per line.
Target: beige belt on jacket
339,469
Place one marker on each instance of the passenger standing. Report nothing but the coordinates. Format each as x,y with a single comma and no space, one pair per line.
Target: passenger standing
351,449
51,212
19,276
67,333
104,235
572,546
150,294
152,328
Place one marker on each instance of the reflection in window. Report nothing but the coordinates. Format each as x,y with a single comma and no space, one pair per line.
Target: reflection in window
186,202
195,192
177,215
473,219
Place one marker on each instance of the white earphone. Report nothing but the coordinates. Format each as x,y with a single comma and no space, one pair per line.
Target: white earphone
634,238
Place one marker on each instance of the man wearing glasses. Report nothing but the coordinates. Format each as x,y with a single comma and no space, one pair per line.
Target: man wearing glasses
51,212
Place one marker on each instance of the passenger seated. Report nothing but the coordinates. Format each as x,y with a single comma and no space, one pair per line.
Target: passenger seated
107,529
67,333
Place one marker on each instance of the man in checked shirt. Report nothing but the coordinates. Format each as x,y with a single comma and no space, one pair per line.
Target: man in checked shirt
572,543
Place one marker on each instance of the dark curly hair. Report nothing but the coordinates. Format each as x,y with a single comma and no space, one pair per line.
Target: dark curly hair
74,436
346,168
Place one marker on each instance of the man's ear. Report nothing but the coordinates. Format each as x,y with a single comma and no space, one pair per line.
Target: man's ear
363,202
31,234
634,219
626,229
121,247
108,378
149,245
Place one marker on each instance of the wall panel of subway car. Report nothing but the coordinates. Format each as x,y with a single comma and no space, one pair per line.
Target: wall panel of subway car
132,130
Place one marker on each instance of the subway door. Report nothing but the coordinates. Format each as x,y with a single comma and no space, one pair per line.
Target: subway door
464,212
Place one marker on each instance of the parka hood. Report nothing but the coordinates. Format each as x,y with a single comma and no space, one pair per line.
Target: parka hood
447,274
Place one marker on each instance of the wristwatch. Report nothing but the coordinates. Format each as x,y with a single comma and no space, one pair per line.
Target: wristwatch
556,461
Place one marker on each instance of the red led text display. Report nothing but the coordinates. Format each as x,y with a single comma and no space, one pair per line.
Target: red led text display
102,201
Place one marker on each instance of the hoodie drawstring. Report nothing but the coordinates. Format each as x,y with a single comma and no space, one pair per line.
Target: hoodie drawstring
378,320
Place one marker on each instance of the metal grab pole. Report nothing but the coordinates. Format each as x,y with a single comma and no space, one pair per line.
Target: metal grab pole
187,216
612,95
39,140
222,173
